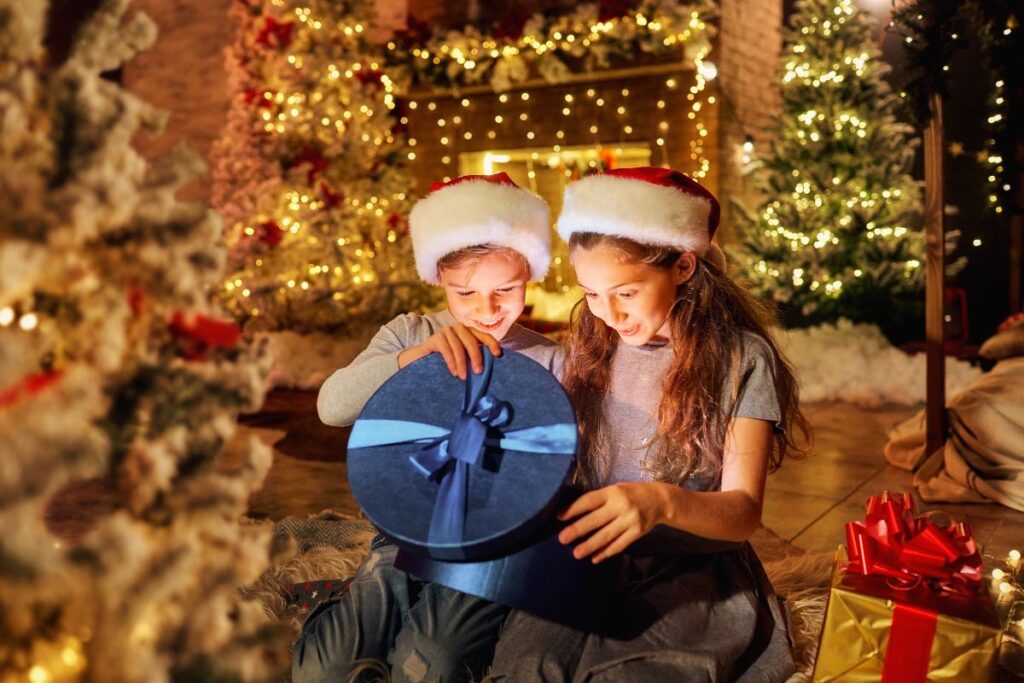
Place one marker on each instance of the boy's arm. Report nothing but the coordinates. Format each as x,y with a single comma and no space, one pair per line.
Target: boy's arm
343,395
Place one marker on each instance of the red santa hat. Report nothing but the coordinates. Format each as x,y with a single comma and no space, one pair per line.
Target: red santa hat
480,209
649,205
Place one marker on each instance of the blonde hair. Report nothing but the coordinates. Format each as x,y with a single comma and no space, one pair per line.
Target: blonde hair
706,325
472,255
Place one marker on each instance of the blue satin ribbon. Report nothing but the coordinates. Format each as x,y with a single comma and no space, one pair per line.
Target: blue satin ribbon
447,455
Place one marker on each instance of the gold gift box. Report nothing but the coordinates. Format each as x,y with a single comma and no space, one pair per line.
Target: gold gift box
855,633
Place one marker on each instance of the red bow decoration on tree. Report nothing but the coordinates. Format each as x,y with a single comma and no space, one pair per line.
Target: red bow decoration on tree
200,332
261,97
909,550
397,223
269,233
29,386
331,198
312,157
371,77
275,33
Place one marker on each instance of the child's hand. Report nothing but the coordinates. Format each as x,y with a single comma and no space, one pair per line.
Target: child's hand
454,343
614,516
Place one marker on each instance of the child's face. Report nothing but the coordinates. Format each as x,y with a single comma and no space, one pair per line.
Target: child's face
488,294
634,299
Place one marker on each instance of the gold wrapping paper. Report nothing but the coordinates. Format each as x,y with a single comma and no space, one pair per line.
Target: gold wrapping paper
855,633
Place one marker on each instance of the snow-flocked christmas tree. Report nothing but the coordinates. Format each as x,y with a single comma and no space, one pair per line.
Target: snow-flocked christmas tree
838,234
310,173
118,377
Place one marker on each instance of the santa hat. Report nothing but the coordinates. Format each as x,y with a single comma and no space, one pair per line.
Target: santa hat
480,209
649,205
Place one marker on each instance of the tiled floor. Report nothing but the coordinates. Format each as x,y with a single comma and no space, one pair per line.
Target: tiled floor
809,501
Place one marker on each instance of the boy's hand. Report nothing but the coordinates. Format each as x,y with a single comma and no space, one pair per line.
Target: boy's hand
454,343
613,517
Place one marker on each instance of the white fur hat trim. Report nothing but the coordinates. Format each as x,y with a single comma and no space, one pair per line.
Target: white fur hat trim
638,210
478,211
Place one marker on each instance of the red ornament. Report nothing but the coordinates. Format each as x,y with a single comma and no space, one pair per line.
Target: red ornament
331,198
199,332
264,99
29,386
314,158
275,34
371,77
397,222
269,232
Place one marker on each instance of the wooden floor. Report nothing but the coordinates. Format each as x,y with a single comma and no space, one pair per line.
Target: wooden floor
808,501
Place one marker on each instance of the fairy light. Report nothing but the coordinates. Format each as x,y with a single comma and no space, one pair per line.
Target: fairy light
441,54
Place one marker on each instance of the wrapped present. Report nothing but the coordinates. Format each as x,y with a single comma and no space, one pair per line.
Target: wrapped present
538,575
907,603
466,478
461,470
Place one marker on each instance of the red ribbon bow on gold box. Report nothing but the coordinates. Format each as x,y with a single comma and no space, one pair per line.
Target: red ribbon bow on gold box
892,542
908,606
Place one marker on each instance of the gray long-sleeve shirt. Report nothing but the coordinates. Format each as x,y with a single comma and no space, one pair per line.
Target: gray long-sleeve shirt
347,390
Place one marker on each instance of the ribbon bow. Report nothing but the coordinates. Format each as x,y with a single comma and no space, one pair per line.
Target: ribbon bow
447,455
909,550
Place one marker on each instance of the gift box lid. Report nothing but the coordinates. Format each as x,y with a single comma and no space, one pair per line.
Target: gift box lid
457,469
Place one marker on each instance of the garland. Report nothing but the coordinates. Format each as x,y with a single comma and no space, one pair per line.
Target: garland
589,37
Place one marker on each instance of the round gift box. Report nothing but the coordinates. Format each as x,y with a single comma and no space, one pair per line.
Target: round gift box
512,485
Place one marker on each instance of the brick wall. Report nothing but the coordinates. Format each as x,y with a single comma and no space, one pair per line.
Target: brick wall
184,74
746,53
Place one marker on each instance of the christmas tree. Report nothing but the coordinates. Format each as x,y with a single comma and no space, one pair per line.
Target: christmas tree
310,173
838,234
117,377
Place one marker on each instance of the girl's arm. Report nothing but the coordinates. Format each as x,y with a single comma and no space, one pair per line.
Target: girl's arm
617,515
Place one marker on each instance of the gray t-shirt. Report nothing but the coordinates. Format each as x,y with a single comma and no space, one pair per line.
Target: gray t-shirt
630,408
347,390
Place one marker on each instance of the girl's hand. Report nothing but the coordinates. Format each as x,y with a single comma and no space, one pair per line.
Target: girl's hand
454,343
614,516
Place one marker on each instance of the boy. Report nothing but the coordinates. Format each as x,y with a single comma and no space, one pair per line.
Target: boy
481,238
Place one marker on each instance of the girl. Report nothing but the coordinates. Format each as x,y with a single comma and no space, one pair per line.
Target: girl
684,403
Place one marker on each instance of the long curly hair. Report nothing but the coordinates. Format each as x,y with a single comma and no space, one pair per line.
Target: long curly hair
707,323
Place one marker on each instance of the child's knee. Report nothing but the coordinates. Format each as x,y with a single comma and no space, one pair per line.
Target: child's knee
417,659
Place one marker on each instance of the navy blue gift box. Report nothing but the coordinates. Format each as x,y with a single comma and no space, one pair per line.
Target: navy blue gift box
466,477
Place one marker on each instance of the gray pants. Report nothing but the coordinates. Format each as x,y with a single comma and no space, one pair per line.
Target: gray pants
424,631
700,619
